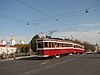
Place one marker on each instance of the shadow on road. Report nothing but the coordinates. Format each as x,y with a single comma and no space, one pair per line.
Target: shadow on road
34,58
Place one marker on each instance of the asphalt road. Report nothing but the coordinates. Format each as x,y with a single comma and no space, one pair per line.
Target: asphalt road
85,64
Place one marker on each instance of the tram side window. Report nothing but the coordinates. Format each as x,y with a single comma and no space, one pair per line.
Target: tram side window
60,44
40,44
50,44
53,44
63,45
68,45
46,44
56,44
75,46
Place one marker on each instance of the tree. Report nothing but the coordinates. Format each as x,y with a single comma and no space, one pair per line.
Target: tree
33,42
22,48
77,41
25,48
89,46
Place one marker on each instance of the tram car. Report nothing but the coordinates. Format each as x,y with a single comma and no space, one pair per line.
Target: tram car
55,47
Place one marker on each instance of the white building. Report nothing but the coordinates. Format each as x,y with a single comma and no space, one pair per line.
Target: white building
6,50
12,40
21,41
3,42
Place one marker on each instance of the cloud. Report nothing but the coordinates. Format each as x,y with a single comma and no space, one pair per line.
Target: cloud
89,36
93,25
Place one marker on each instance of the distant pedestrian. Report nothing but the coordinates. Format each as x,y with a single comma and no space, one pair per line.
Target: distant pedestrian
14,56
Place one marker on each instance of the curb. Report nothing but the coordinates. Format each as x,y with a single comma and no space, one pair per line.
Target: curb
16,58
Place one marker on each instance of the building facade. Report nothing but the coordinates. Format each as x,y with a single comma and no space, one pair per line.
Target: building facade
3,42
12,40
7,50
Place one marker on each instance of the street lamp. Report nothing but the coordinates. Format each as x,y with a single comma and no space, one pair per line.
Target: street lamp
86,11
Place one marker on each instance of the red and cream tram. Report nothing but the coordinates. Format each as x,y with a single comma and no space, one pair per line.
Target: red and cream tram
54,47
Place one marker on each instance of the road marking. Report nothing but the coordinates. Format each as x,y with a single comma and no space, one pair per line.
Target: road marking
44,63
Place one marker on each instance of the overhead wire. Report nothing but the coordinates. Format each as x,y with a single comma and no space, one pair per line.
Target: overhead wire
53,17
72,12
12,18
73,15
42,12
63,14
34,8
69,14
19,20
77,11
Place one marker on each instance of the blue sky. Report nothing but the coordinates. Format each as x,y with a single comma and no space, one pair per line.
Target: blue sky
47,15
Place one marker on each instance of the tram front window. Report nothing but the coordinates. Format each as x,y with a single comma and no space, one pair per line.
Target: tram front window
40,44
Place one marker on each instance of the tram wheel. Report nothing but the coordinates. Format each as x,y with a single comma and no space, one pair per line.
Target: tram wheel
57,56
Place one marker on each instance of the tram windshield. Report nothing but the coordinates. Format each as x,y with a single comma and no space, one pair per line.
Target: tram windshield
40,44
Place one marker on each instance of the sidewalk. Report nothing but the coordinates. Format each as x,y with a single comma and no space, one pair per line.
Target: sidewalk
16,58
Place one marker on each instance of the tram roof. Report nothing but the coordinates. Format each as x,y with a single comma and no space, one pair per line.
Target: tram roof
54,39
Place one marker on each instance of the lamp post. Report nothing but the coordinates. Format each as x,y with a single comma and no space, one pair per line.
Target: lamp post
96,46
99,47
